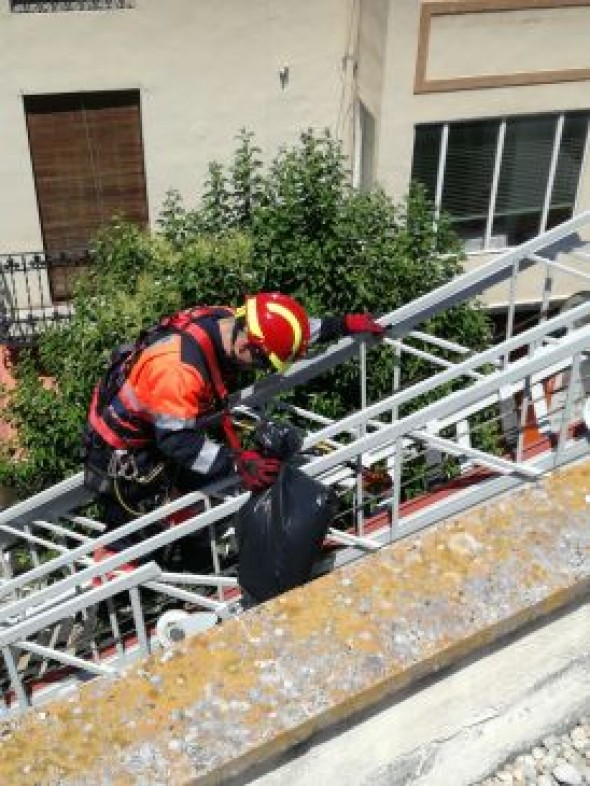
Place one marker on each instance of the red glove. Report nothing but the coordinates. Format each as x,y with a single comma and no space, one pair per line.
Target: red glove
362,323
256,471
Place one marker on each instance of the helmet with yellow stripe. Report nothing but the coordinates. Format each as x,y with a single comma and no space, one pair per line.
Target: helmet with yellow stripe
277,325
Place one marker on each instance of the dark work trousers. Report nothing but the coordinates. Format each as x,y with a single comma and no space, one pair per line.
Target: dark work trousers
192,553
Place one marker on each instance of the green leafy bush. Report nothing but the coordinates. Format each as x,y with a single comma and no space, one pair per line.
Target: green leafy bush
296,226
111,306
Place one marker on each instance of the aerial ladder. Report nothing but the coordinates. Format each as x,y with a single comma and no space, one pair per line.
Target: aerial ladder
66,616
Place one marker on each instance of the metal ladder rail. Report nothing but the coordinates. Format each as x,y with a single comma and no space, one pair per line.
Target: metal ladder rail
15,637
69,494
488,356
59,501
195,523
352,542
86,549
347,424
404,427
540,242
572,345
536,335
404,319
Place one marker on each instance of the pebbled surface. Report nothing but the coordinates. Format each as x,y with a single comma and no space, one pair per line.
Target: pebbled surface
259,684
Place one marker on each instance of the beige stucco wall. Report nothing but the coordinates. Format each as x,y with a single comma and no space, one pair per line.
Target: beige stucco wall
402,108
448,52
371,55
205,69
492,41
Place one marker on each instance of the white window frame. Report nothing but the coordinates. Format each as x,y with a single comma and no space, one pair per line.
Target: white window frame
487,236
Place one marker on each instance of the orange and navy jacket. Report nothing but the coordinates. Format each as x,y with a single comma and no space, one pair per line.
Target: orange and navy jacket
169,388
174,381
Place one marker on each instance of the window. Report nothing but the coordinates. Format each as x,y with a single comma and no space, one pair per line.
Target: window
49,6
502,181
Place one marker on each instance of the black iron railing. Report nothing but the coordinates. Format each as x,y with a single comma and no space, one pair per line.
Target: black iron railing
36,291
51,6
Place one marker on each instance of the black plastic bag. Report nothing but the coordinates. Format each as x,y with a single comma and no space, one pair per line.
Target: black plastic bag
280,532
277,440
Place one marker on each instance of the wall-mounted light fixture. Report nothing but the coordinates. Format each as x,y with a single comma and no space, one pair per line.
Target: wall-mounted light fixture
284,75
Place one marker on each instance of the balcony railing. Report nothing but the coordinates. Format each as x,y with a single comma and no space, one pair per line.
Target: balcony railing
53,6
35,292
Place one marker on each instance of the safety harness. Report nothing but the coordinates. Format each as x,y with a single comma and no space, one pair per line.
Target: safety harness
184,323
123,464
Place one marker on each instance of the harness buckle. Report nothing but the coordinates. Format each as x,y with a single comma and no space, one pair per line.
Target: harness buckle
122,464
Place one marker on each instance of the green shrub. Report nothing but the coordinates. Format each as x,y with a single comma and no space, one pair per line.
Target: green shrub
296,226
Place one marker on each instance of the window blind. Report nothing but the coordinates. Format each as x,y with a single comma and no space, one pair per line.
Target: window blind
524,174
468,175
569,164
426,155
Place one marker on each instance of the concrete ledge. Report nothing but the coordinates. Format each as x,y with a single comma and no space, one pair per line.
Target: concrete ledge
253,688
458,726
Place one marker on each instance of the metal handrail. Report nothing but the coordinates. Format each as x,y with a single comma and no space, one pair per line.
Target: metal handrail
336,450
404,427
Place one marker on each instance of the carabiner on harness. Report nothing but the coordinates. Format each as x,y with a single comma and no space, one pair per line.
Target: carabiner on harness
122,464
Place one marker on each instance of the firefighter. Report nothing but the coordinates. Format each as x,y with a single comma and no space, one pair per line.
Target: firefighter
147,428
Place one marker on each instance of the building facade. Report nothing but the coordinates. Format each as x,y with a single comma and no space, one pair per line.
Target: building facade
105,105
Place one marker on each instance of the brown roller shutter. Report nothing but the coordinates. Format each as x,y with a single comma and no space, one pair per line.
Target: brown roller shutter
87,156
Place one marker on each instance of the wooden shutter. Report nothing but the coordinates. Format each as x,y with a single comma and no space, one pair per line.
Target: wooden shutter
87,157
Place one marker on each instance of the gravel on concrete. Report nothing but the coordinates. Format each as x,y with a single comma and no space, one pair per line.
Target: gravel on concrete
557,760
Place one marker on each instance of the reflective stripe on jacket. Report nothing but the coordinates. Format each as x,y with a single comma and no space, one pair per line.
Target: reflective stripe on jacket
173,382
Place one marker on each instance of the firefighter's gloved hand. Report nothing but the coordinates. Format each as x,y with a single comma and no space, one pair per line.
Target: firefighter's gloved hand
256,471
362,323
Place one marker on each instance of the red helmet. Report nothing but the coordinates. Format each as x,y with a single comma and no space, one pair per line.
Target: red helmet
278,325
